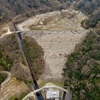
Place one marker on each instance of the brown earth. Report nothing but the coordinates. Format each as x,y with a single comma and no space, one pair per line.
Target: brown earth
56,42
13,88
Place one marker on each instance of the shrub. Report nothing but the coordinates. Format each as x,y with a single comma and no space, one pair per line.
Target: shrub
95,54
84,85
83,21
2,77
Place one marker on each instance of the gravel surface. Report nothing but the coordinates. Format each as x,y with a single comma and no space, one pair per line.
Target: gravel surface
58,41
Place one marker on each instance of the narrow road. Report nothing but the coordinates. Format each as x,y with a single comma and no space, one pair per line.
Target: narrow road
7,33
8,77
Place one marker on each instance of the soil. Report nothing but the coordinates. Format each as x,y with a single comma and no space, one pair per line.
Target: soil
57,39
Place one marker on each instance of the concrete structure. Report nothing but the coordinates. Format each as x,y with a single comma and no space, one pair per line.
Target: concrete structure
50,92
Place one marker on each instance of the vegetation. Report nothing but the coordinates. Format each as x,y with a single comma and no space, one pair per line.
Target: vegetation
9,52
11,8
18,98
92,9
82,22
34,54
13,98
83,69
43,1
25,81
2,77
5,61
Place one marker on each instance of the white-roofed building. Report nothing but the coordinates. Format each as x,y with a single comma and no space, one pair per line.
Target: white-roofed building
52,94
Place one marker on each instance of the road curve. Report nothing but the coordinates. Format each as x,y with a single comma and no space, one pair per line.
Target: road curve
7,33
8,78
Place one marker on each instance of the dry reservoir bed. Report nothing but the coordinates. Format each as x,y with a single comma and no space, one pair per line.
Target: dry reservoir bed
59,33
56,46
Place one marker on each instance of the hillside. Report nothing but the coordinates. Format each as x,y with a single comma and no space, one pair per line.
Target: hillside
26,8
89,7
11,8
11,56
2,77
14,90
12,60
57,33
54,41
82,71
83,65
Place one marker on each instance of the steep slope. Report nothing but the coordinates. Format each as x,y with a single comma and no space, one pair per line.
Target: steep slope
11,55
13,88
2,77
90,8
83,68
10,8
11,59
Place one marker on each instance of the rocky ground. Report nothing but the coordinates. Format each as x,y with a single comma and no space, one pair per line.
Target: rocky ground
56,47
56,44
57,20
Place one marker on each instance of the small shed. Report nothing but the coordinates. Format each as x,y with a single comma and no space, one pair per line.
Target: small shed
52,94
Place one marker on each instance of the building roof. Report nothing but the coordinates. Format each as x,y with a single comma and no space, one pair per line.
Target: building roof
52,93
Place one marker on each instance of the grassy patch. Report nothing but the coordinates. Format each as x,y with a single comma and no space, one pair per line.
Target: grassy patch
35,55
2,77
58,82
14,97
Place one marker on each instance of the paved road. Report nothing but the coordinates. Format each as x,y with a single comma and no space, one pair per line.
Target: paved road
68,96
8,78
